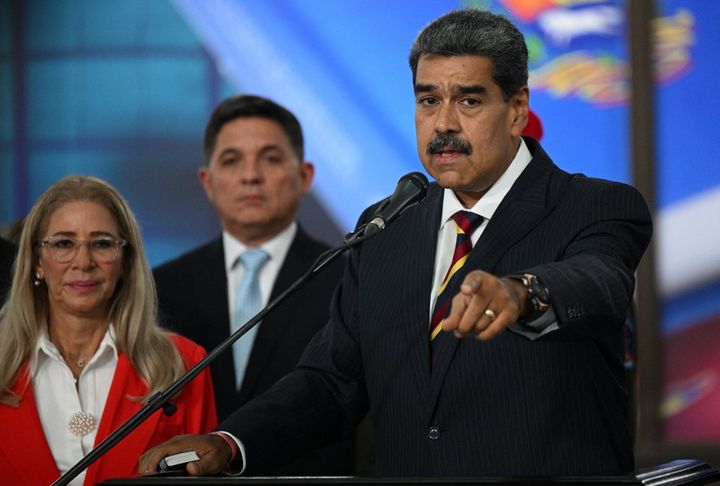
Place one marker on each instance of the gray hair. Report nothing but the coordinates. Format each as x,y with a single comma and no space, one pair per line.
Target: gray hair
474,32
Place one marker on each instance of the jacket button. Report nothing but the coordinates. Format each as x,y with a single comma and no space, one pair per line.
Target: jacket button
433,433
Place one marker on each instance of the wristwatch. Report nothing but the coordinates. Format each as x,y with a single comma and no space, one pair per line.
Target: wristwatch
538,294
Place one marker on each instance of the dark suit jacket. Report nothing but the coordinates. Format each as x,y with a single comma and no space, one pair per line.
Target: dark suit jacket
510,406
7,257
192,292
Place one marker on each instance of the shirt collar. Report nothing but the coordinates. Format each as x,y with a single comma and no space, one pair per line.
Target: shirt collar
488,204
277,247
44,349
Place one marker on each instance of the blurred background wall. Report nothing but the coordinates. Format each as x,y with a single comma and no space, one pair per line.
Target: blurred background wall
121,89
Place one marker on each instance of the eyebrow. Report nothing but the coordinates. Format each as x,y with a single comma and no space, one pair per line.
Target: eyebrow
472,89
228,150
424,88
262,150
271,147
73,234
461,89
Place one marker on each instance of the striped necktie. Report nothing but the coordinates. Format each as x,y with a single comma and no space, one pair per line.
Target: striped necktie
248,302
466,222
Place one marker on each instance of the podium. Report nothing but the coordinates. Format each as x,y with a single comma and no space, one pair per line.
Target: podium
691,472
368,481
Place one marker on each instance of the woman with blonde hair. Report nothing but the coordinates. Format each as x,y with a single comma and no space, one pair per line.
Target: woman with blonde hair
80,347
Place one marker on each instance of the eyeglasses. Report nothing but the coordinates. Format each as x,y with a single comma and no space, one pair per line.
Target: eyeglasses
62,249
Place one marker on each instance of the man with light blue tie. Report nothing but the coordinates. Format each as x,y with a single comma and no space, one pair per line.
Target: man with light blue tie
255,175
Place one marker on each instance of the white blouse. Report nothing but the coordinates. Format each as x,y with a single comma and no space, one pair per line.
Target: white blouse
58,396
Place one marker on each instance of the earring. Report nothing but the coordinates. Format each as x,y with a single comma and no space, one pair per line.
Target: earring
37,280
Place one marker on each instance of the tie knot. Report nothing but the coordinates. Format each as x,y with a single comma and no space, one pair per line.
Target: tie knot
253,259
467,221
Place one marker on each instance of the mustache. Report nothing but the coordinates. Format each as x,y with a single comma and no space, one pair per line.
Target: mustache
447,140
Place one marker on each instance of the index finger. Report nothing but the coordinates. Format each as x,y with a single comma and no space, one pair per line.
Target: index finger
459,305
471,283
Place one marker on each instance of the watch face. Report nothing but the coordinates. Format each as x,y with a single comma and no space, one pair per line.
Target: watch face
543,300
538,293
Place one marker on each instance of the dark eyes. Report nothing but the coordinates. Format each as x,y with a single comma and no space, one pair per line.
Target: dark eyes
272,158
64,243
427,101
102,243
228,161
470,102
268,158
69,244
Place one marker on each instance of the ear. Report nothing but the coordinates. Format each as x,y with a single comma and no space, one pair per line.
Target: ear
206,181
519,108
39,270
307,174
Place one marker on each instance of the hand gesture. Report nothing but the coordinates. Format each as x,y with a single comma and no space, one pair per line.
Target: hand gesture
485,306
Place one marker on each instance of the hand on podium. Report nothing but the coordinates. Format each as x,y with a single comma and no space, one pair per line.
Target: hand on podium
214,451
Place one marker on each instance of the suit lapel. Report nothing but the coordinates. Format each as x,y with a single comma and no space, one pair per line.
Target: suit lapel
522,209
213,296
420,233
28,449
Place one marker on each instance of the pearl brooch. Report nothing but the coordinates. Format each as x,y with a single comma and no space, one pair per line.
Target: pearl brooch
81,423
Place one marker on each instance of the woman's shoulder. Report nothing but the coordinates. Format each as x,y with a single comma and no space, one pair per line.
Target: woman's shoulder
187,348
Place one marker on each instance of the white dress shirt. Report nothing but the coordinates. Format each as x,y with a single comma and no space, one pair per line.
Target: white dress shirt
485,207
277,248
58,396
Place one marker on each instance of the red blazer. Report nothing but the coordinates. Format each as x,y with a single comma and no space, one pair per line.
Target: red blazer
25,456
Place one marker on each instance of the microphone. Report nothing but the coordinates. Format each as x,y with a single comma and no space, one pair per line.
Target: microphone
410,190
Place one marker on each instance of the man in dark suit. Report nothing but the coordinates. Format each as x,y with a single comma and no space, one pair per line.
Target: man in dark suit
255,176
507,360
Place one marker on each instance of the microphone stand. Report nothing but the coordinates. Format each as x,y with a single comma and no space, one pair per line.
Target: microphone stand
162,399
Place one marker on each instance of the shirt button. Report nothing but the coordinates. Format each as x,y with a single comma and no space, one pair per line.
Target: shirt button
433,433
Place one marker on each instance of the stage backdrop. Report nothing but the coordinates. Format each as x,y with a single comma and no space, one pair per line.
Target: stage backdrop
122,90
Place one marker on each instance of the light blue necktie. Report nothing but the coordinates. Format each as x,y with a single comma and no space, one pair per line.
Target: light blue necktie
248,302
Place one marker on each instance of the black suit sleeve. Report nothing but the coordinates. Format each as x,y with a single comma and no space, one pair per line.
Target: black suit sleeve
592,283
